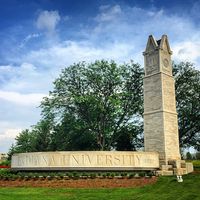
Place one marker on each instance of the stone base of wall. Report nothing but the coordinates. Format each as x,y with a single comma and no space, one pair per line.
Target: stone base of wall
175,167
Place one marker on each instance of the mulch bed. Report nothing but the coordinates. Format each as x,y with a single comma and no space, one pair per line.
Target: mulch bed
80,183
196,172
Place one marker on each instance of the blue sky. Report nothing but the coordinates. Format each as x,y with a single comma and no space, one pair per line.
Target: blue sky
38,38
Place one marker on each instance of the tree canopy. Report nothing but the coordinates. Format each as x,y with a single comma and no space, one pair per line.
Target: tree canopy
187,87
103,100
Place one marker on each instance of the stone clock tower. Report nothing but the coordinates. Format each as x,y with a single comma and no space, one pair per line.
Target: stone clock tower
160,116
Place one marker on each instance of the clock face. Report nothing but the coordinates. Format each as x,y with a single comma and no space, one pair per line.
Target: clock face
166,62
166,65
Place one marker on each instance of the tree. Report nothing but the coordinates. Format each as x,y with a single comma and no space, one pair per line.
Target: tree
198,155
187,85
103,99
41,136
70,134
188,156
24,142
130,137
36,139
11,151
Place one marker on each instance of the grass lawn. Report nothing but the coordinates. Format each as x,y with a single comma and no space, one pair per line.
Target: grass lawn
165,188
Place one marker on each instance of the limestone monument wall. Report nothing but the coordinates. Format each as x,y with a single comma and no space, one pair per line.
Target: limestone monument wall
86,160
160,116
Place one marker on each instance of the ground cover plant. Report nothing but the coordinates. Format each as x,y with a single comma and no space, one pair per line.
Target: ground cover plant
4,164
164,188
7,174
196,164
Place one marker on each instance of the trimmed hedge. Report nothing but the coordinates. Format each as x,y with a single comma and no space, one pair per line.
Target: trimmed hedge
6,174
5,163
196,164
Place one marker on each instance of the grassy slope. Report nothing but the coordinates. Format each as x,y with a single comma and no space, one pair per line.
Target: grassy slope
165,188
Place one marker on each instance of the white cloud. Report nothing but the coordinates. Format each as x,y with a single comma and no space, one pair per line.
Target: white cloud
187,51
121,34
21,90
25,78
32,99
68,52
10,134
7,139
108,13
13,119
28,38
132,26
48,20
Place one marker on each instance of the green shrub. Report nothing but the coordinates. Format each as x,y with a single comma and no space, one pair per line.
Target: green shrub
76,175
104,175
124,174
108,174
67,174
12,177
131,175
117,174
70,175
21,174
142,174
197,155
196,164
84,175
149,174
5,163
4,173
61,175
93,175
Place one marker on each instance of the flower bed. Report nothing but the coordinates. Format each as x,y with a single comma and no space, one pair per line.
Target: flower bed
4,167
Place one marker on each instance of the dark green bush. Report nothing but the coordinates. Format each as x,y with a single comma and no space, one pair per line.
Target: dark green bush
5,163
123,174
131,175
75,175
112,175
196,164
108,174
142,174
93,175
